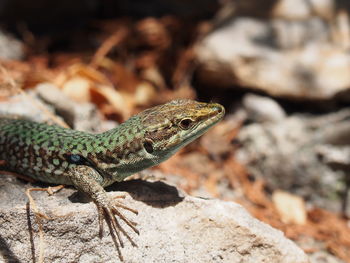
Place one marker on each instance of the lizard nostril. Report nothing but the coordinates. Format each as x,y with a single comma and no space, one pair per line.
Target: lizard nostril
219,108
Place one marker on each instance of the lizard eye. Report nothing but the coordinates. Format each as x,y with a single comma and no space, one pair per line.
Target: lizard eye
186,124
148,146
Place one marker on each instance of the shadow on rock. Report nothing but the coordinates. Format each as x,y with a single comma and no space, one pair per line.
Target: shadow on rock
6,252
156,194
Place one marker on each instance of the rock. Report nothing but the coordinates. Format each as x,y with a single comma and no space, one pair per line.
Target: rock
173,228
305,155
287,9
318,254
303,9
26,106
288,59
262,109
10,47
46,100
296,34
253,8
82,116
322,256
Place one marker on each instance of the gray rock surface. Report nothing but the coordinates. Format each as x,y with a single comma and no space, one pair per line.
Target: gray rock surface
10,47
304,154
46,101
262,109
173,228
283,58
80,116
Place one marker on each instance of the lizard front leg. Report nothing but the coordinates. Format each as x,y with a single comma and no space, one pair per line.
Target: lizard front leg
88,180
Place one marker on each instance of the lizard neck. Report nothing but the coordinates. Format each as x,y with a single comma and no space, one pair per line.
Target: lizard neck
119,152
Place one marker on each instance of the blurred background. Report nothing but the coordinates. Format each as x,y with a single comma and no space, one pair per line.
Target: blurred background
281,68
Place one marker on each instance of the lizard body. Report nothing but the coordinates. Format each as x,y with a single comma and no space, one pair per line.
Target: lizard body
92,161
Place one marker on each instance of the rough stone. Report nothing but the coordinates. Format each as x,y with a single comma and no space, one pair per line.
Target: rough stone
46,100
173,228
262,109
82,116
304,154
288,59
10,47
303,9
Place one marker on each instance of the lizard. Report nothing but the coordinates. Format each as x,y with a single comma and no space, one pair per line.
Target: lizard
90,162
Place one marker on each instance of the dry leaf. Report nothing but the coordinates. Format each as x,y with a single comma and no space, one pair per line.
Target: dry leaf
291,208
121,102
78,89
144,94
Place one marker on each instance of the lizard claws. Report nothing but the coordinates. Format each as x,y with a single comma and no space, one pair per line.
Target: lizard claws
110,214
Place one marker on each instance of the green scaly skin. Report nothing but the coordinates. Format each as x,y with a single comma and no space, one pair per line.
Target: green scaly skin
92,161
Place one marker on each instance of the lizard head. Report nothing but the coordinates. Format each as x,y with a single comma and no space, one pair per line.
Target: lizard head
152,136
171,126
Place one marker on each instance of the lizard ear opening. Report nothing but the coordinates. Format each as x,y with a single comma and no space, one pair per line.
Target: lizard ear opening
76,159
185,124
148,145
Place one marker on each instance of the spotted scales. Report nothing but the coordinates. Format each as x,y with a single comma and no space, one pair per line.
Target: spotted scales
90,162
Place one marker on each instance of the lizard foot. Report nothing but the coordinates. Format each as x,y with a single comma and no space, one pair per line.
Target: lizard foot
88,180
110,213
